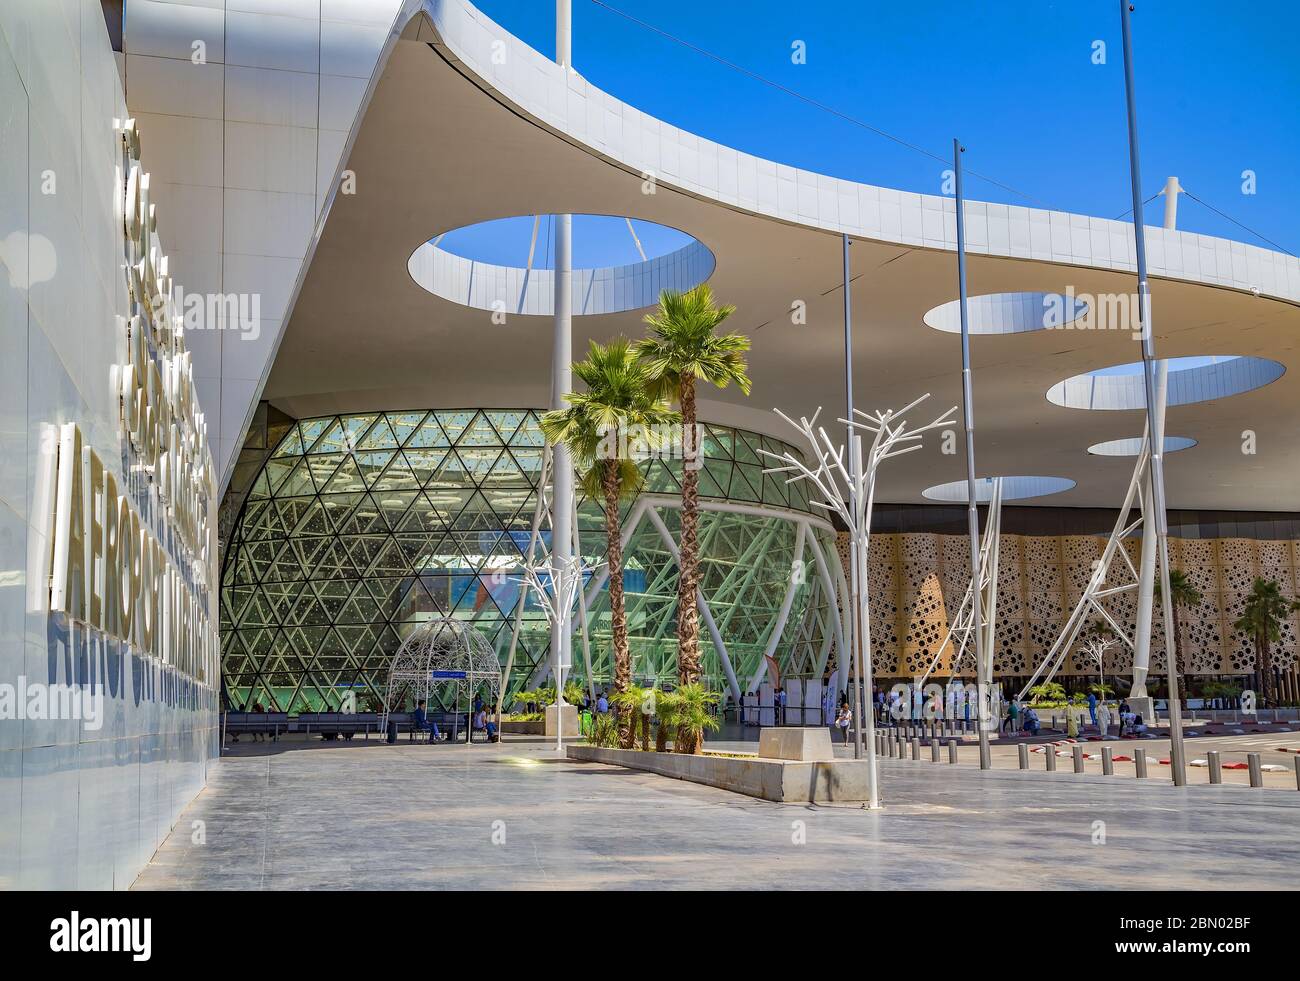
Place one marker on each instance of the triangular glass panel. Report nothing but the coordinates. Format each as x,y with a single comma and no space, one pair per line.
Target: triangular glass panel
298,483
371,463
291,445
355,426
478,461
396,477
332,440
424,462
405,424
380,437
429,433
346,479
278,471
529,433
364,518
455,423
312,429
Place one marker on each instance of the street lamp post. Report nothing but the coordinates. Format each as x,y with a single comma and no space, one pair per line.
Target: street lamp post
1155,424
982,653
855,632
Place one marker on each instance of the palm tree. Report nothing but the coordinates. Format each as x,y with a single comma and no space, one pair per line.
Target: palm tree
1183,593
684,349
666,705
1265,611
692,716
618,406
632,702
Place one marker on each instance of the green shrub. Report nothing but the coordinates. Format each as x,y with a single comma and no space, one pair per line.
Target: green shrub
604,732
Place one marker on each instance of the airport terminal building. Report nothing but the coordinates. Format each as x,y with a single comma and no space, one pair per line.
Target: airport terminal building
271,402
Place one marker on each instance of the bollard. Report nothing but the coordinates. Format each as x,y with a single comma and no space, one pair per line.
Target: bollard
1077,750
1050,758
1024,756
1216,768
900,748
1053,722
916,747
1107,761
1297,773
952,752
1140,761
1256,774
934,751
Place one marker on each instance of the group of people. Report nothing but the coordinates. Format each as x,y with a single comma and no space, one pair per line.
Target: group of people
479,721
1016,717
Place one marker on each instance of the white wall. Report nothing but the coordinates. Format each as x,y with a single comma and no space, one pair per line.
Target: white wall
79,807
245,146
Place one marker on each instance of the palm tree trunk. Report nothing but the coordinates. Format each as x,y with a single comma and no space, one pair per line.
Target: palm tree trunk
617,610
688,620
1178,641
661,738
1266,672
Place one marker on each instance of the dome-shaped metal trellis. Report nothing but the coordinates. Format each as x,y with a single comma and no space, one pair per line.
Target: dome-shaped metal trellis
441,652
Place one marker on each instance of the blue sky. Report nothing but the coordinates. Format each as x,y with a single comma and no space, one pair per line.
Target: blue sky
1218,90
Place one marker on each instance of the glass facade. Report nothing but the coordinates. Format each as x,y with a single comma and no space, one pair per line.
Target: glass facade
360,526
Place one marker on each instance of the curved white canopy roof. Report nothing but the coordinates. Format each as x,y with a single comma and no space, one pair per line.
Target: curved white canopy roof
450,135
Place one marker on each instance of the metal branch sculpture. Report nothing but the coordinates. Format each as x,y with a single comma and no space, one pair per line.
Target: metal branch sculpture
848,489
557,594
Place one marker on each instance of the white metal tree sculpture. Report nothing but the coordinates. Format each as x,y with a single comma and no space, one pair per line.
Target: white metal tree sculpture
1097,641
847,488
557,583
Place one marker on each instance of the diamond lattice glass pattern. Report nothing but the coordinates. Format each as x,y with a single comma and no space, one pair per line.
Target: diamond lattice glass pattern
361,526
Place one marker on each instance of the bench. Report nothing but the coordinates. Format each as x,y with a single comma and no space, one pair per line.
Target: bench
331,725
450,724
257,723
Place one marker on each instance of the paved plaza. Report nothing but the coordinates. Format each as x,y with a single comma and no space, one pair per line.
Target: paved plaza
365,815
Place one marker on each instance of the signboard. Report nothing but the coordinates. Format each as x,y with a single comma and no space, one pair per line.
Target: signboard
451,675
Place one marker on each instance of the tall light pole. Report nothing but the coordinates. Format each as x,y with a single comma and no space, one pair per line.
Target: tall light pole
856,561
562,497
982,652
1155,424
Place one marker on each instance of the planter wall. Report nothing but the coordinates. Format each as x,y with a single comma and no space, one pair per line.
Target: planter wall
783,781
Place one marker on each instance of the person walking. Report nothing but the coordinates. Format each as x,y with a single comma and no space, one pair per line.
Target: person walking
843,720
1103,720
1092,706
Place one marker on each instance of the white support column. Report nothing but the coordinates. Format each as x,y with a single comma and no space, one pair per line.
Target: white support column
1171,192
1146,594
1150,548
828,583
563,33
562,501
787,601
562,498
990,606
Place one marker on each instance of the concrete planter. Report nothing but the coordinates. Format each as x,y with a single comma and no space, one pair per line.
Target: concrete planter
783,781
524,728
